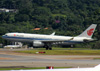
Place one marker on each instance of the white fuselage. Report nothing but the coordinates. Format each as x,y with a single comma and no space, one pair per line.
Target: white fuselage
25,37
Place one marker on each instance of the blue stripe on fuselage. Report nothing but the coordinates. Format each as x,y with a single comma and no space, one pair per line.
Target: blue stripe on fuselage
24,38
13,37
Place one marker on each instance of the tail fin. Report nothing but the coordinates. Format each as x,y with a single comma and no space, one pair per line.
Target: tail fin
89,31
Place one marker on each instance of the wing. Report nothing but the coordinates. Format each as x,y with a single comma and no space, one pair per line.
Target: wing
52,41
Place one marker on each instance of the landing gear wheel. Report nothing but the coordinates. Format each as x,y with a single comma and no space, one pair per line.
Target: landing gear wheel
48,47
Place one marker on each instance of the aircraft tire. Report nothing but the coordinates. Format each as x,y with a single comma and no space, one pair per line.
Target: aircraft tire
50,48
46,48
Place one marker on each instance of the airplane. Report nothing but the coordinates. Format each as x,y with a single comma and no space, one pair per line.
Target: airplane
96,68
15,45
47,41
12,46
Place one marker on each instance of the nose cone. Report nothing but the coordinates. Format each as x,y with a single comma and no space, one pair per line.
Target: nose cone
3,36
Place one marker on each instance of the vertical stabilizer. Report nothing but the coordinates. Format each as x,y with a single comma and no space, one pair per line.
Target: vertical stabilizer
89,31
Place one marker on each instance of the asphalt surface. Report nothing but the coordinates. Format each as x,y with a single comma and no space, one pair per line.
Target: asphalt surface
9,58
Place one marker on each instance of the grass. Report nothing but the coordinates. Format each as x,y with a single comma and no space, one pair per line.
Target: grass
64,51
30,68
21,68
59,48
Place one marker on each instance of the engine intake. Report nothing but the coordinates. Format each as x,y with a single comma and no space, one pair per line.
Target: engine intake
37,43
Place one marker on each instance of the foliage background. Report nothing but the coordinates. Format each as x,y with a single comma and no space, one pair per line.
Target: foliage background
74,16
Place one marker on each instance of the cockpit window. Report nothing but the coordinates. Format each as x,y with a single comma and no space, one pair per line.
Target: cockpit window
6,34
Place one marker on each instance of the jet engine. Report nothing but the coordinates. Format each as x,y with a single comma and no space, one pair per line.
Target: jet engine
37,43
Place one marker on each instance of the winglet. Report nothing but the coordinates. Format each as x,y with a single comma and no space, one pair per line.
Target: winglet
53,33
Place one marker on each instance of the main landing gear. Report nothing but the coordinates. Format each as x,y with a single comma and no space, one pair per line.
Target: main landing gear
48,47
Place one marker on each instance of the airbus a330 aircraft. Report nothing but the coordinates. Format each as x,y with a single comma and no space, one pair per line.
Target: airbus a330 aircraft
47,40
96,68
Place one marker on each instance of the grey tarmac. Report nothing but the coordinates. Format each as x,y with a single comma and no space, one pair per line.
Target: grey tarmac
9,58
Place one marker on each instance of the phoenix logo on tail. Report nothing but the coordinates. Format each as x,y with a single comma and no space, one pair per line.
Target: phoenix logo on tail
90,32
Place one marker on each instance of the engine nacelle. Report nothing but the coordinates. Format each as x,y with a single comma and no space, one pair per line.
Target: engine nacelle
37,43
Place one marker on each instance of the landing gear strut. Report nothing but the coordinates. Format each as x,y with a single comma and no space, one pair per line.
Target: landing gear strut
48,47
